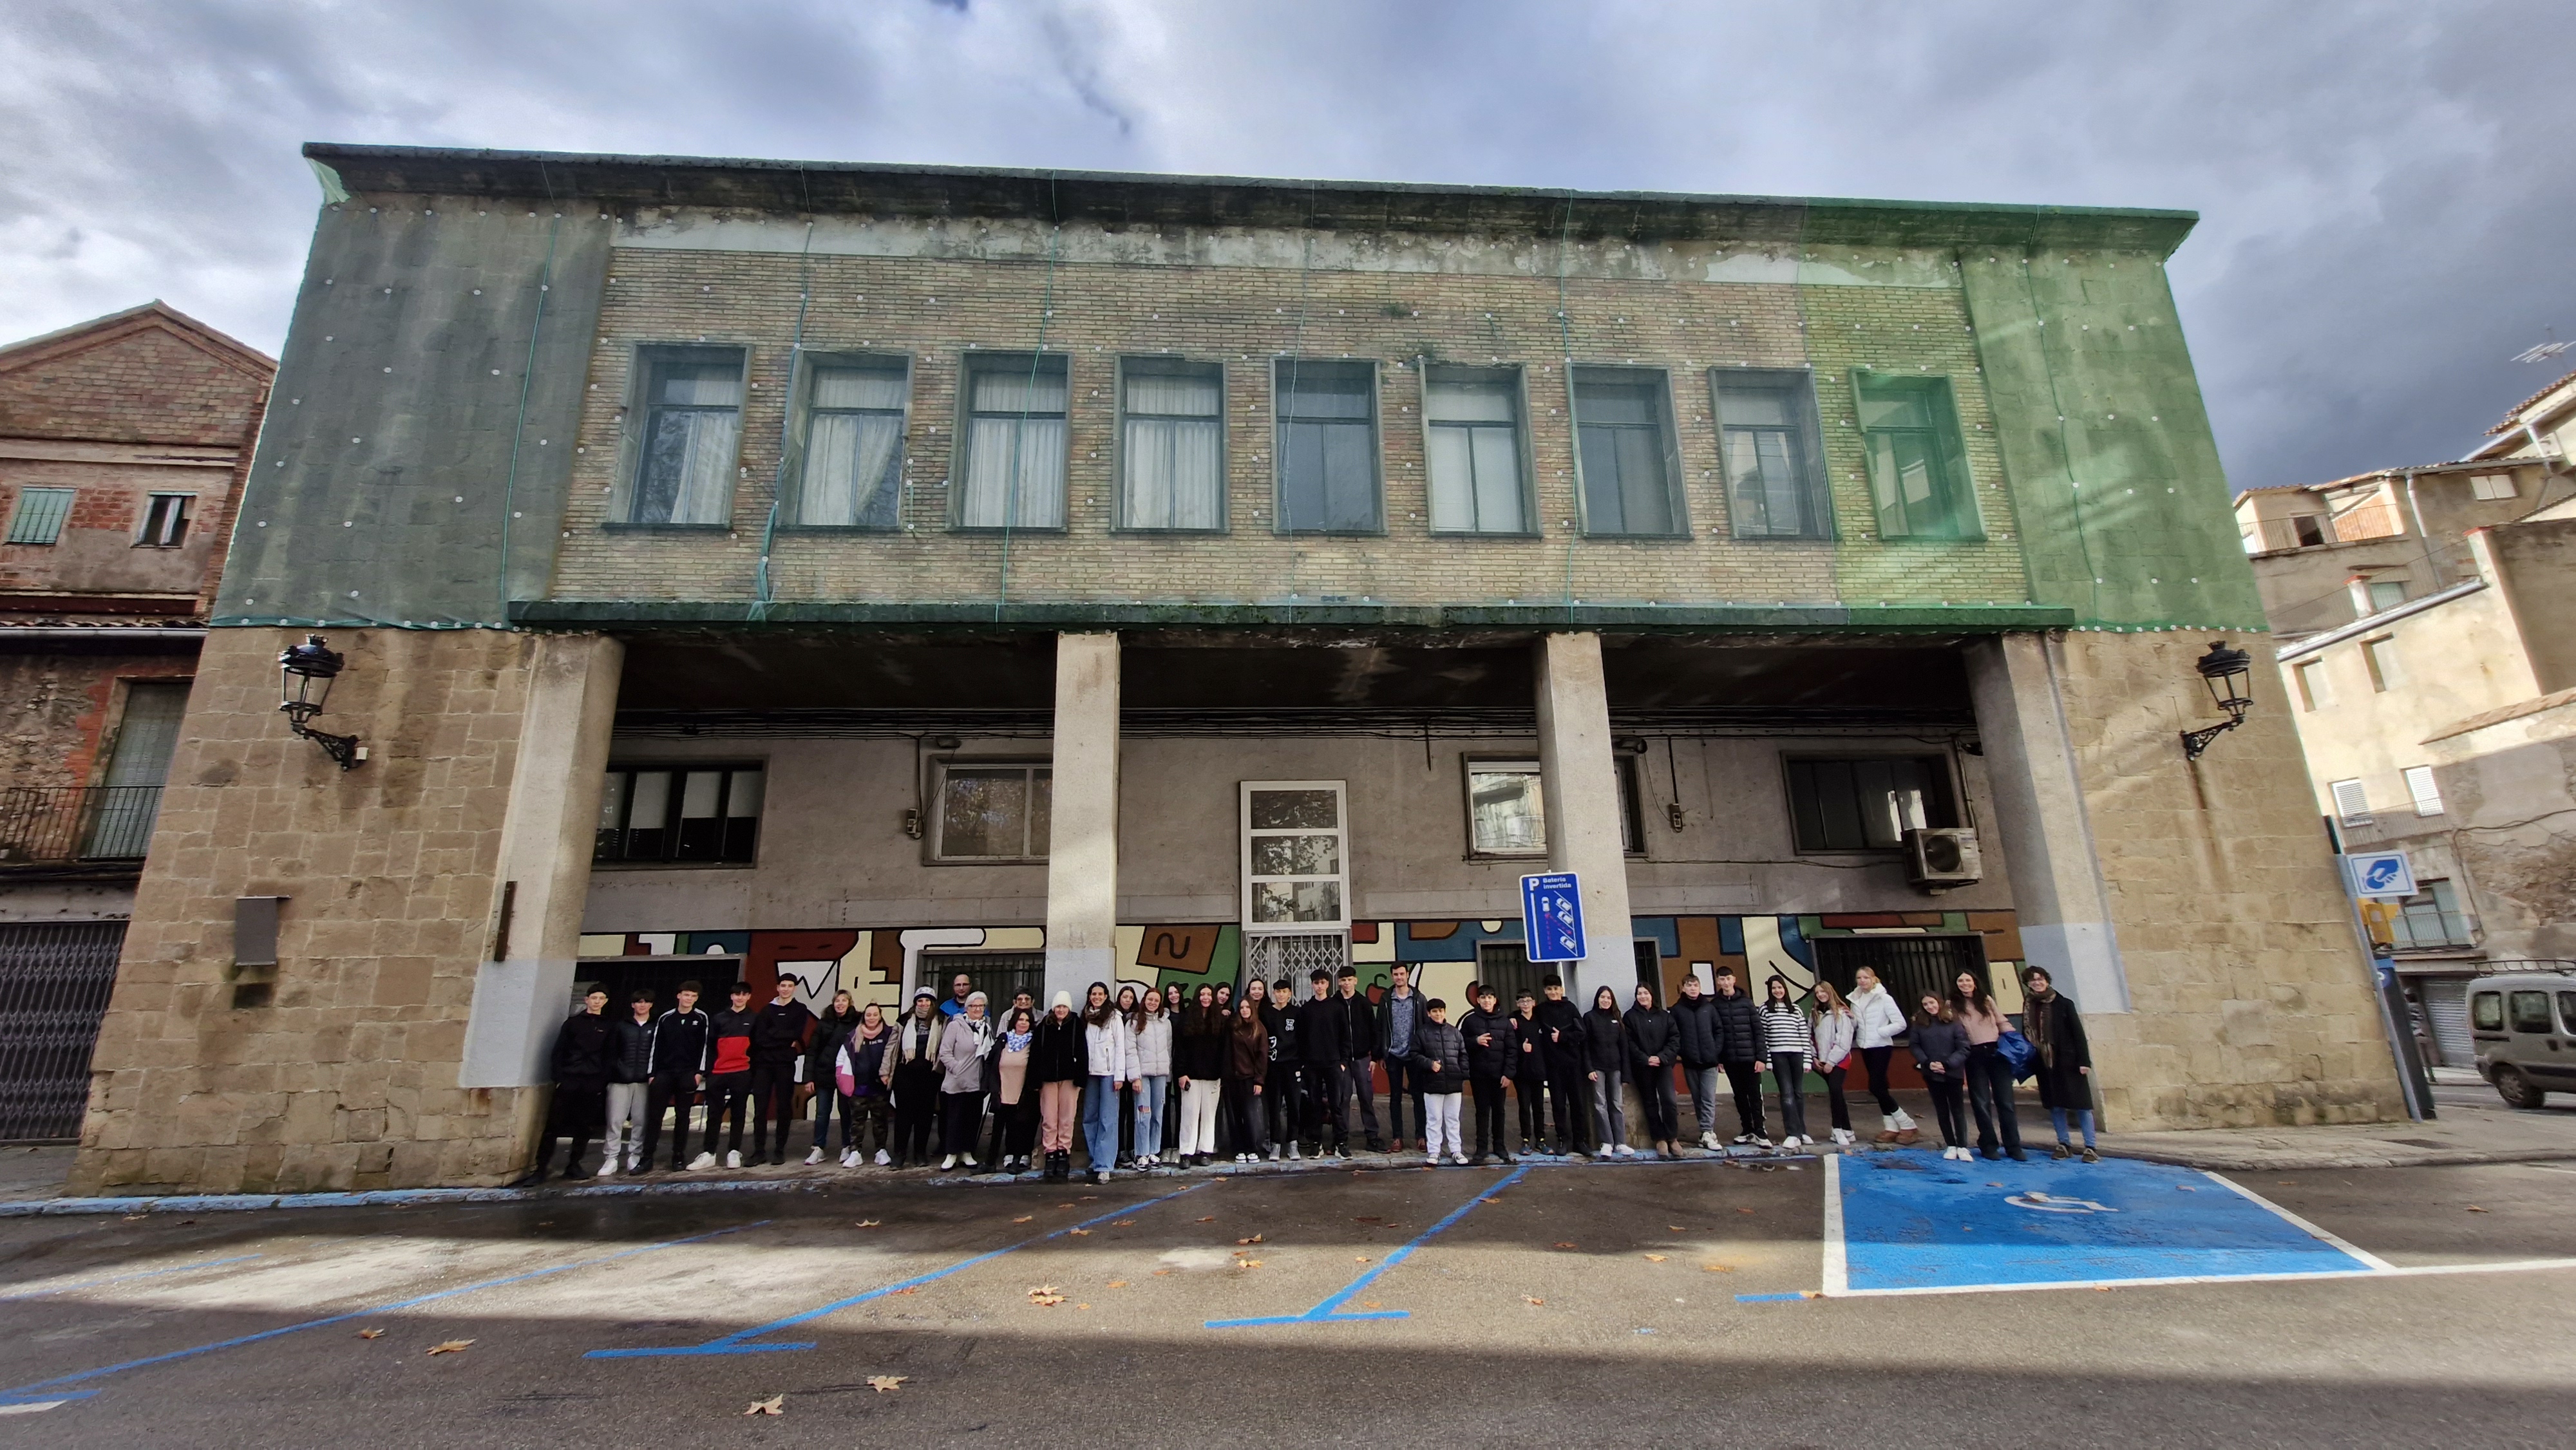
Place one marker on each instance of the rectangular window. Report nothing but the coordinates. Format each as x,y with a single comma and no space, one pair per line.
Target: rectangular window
706,814
2530,1011
165,521
1507,816
1016,442
2314,692
2351,803
2431,918
692,433
38,519
1867,803
850,471
1171,445
993,811
2486,1011
1327,466
2379,656
1624,445
2386,594
2492,486
2311,530
1767,440
1471,428
2420,785
1918,463
1296,865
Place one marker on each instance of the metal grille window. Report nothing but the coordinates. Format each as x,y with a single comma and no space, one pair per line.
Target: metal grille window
1015,442
851,472
1767,438
1918,463
1624,443
993,811
692,429
998,975
2431,918
1471,420
1327,470
38,518
1867,803
2427,793
1295,955
702,814
1507,813
165,521
55,979
2351,803
1296,868
1171,445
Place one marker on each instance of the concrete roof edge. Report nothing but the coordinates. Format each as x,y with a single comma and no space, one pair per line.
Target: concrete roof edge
754,182
2312,643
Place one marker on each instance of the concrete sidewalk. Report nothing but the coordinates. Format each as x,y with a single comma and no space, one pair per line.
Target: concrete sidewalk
2473,1126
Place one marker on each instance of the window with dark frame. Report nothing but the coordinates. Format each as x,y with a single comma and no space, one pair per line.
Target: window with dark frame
692,434
1327,468
1868,802
1507,814
1016,441
1471,421
993,812
1171,445
165,521
1918,463
1767,442
850,471
697,813
1623,433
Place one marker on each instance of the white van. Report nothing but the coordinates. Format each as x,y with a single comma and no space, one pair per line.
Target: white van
2524,1025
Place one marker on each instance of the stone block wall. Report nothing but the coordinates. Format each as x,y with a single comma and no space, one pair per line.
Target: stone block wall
346,1076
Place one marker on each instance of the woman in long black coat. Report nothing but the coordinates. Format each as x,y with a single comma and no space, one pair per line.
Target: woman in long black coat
2065,1066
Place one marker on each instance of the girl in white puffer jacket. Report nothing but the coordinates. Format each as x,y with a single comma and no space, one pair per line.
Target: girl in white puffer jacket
1876,1024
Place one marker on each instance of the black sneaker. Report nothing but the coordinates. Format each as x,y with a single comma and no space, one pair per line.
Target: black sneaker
1480,1160
1507,1158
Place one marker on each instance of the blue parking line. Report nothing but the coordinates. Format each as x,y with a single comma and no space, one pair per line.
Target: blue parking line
50,1389
736,1342
121,1278
1329,1312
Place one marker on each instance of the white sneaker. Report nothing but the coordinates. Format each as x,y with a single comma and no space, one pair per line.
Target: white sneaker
733,1159
813,1157
703,1160
1296,1153
1458,1158
849,1157
948,1162
1627,1151
635,1163
884,1158
1708,1140
968,1159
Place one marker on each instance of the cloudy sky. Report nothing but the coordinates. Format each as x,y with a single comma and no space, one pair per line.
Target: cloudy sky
2385,189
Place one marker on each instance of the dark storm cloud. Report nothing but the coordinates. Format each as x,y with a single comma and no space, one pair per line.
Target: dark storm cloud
2385,213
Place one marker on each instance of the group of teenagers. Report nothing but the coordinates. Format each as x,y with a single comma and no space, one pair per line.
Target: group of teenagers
1187,1079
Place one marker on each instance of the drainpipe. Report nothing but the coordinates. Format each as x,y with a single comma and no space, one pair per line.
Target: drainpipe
2432,552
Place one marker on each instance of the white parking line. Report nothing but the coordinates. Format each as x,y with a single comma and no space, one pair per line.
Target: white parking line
2374,1260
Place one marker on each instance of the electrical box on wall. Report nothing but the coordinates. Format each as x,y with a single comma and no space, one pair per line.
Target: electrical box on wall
1942,857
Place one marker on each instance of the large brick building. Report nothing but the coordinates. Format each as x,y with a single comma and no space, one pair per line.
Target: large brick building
123,442
876,573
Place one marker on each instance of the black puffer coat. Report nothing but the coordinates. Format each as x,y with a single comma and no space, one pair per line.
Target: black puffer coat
1739,1028
1695,1018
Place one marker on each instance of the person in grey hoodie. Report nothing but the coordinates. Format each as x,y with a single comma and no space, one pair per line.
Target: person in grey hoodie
1941,1051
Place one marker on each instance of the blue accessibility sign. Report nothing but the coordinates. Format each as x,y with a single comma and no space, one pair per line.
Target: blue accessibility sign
1552,917
2380,873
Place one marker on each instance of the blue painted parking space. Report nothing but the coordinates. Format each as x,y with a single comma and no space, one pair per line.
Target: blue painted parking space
1915,1223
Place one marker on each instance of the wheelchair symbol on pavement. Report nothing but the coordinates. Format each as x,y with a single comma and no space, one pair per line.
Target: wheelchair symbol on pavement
2050,1203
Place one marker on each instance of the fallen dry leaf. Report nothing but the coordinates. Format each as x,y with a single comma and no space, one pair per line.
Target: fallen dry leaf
1080,1233
1091,1198
1024,1218
1211,1218
1371,1304
453,1346
886,1384
1717,1268
1489,1200
1117,1283
1526,1299
870,1223
1247,1263
1744,1210
371,1334
1064,1205
1158,1273
1081,1306
1256,1238
2473,1208
1046,1297
1811,1293
1565,1243
1656,1258
915,1289
1362,1259
1677,1228
774,1405
2101,1288
1124,1223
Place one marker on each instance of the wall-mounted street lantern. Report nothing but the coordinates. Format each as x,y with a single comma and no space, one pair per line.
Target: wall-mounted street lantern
2226,672
304,675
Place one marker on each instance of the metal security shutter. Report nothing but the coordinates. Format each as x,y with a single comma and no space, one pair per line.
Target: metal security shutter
55,978
2446,1006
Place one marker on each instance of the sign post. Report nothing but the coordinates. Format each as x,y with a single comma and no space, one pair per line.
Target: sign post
1552,917
2375,882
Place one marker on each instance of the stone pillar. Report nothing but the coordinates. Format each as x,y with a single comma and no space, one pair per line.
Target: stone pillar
543,876
2040,826
1579,787
1082,838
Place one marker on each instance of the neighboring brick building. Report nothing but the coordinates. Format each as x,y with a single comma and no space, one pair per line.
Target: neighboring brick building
881,573
122,446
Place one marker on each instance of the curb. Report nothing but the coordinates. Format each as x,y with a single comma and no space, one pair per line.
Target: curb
2327,1162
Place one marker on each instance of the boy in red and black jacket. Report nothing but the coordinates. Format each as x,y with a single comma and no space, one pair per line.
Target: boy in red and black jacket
729,1031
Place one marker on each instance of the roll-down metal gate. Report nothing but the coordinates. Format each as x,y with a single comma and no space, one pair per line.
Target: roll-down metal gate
55,978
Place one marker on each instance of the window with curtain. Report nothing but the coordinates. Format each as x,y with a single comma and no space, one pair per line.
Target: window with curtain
1471,422
1918,472
852,475
1171,444
1327,447
692,426
1623,433
1015,442
1767,440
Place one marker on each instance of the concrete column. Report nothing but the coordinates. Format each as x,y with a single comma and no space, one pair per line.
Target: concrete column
543,876
1082,840
2040,824
1579,786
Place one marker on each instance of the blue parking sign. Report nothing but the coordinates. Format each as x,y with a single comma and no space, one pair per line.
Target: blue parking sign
1552,917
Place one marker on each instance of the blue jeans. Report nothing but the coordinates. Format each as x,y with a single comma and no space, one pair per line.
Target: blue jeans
1151,1094
2057,1120
1100,1122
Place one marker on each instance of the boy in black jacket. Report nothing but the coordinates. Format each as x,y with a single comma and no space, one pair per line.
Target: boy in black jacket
580,1106
679,1072
1360,1050
1566,1066
1529,1071
777,1052
1321,1021
1740,1052
1286,1105
1491,1051
630,1076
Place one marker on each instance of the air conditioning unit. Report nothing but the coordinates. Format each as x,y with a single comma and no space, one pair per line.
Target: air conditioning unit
1940,858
